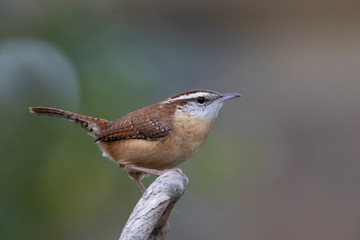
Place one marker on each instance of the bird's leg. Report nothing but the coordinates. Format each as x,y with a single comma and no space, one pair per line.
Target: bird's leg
154,171
136,173
136,176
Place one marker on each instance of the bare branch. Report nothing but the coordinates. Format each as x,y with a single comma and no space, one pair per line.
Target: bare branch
149,217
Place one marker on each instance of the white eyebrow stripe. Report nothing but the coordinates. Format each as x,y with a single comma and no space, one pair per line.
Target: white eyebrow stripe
188,96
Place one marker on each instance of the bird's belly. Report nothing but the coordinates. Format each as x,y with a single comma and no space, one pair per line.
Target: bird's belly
166,153
162,154
186,138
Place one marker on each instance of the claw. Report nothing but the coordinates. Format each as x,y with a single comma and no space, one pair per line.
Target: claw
182,174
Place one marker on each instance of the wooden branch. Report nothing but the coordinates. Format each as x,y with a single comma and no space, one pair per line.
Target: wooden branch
149,217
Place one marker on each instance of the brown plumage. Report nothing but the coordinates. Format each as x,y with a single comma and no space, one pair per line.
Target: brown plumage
154,138
151,123
92,125
142,128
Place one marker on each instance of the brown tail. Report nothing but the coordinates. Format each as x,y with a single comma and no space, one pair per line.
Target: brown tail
92,125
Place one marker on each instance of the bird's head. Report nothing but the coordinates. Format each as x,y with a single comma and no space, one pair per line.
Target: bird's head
203,104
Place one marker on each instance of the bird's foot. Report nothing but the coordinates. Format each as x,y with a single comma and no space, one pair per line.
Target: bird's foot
178,170
157,172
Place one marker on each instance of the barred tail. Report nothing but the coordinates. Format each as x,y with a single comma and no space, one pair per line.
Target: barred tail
92,125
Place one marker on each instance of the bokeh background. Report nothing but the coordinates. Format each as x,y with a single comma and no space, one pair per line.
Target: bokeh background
280,163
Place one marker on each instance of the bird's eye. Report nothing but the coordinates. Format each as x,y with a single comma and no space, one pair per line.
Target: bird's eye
200,100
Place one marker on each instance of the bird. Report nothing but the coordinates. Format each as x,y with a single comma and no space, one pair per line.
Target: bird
155,138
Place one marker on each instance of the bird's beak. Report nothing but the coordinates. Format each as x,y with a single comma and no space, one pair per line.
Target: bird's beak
227,96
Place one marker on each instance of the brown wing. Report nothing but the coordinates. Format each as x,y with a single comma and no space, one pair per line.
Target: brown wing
141,124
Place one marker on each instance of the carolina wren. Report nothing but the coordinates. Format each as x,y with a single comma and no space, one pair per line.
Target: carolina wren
154,138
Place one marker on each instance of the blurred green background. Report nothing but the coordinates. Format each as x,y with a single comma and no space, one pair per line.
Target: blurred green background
280,163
